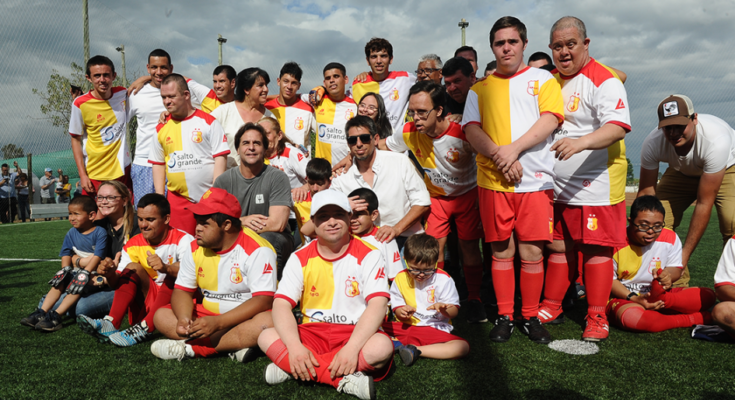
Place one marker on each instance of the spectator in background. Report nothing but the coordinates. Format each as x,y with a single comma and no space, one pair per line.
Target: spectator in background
430,68
491,67
469,54
78,189
8,199
458,79
46,182
21,188
539,59
63,189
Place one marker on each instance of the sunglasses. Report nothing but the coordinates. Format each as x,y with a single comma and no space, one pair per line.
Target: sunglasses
364,138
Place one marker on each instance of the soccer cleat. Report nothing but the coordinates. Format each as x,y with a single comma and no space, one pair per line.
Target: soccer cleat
131,336
502,330
549,316
274,375
33,318
99,328
51,322
168,349
409,354
597,328
476,312
359,385
245,355
535,331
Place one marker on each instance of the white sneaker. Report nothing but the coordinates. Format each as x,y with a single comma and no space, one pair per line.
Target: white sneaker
167,349
245,355
274,375
359,385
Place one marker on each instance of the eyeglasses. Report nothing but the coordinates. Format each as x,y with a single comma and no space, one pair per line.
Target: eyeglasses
364,138
417,272
422,114
107,198
366,107
646,227
427,71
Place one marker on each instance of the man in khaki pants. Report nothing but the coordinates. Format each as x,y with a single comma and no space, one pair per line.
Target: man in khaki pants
700,151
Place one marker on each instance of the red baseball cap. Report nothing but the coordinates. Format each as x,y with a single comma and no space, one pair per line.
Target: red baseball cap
217,200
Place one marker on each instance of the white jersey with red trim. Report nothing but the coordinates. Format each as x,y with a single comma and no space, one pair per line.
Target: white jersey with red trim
439,288
233,276
389,250
175,247
293,162
593,97
725,273
394,91
335,291
634,265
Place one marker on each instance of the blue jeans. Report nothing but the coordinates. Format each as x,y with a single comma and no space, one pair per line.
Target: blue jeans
93,305
142,178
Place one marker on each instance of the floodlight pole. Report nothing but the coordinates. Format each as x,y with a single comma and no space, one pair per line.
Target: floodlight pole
121,49
220,41
463,24
85,20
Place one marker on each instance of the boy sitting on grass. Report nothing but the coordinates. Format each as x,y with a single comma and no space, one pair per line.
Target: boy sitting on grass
318,178
84,239
424,300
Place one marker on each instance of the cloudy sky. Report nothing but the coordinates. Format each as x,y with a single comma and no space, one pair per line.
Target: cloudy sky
677,46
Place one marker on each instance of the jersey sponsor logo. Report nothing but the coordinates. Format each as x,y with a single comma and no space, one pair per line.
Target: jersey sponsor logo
352,287
592,222
100,118
418,153
396,256
452,155
224,138
169,140
321,111
180,161
235,274
200,273
112,133
268,269
259,199
532,88
670,108
621,105
654,265
431,295
196,136
313,292
298,124
319,316
331,134
573,104
380,274
394,95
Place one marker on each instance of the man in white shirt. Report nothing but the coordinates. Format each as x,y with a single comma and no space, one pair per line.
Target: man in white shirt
700,152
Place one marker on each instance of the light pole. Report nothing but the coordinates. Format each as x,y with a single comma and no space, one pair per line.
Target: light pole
121,49
463,24
221,41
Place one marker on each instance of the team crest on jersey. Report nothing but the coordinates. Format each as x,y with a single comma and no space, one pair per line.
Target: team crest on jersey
452,155
349,114
352,287
298,124
573,104
200,273
538,174
206,194
654,265
170,259
394,95
592,222
196,136
532,88
551,225
431,295
235,274
586,183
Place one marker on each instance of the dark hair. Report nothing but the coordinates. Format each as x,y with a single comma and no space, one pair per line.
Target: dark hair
363,122
421,249
385,129
540,55
377,44
159,53
335,65
436,92
229,71
246,79
158,200
466,48
99,60
491,66
179,79
219,219
251,126
548,67
292,69
5,165
646,203
508,22
457,64
319,169
367,195
87,203
22,175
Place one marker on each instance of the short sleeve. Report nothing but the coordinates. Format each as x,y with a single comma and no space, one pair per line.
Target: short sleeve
471,114
374,280
448,291
199,92
396,297
392,257
100,242
187,280
650,156
260,270
611,104
550,99
717,154
416,190
218,140
291,286
397,142
299,160
76,121
280,189
674,258
725,273
125,260
156,154
67,247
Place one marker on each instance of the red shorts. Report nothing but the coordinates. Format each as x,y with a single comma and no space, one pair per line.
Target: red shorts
463,209
324,338
597,225
417,335
614,304
530,215
198,311
181,218
124,179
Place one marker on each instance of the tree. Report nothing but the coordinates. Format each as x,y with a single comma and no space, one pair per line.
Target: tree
12,151
630,178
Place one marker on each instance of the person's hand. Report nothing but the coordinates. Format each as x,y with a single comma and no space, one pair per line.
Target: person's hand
565,148
515,173
300,193
455,118
663,277
505,157
344,362
361,77
107,265
404,313
441,307
204,327
357,204
386,233
643,300
163,117
302,363
60,276
342,166
86,184
155,262
316,95
183,325
75,92
138,84
256,222
78,283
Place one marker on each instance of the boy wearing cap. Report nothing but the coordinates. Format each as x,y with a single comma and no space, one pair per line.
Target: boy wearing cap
340,282
700,152
234,269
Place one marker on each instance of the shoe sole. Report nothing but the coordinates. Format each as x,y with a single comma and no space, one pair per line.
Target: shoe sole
27,323
89,330
52,329
558,321
502,340
407,358
372,389
589,339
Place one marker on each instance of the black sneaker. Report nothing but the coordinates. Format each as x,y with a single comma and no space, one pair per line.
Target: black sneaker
502,330
476,312
33,319
535,331
51,322
409,354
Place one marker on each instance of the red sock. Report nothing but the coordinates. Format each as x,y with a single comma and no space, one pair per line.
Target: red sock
598,277
278,353
163,298
440,264
363,365
128,283
504,283
202,347
685,301
473,279
558,278
532,283
637,319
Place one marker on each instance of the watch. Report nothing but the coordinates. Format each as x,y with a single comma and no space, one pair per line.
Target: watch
631,294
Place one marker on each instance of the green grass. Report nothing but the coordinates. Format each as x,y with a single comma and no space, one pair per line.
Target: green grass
69,364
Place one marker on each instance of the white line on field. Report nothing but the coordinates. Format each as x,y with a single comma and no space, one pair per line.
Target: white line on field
27,259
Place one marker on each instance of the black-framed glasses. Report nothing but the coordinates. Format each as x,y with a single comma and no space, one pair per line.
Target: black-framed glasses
364,138
427,71
422,114
417,272
645,227
107,198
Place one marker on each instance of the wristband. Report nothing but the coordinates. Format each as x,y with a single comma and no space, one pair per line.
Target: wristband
631,294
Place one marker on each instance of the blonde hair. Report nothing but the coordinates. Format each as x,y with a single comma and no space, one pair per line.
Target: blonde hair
281,145
129,213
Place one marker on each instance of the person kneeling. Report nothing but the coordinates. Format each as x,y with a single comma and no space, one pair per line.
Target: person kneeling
643,299
425,300
235,270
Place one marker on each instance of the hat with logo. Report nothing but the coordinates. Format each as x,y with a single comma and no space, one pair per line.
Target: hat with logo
215,201
329,197
675,110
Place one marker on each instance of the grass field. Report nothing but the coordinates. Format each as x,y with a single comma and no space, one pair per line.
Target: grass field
70,364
